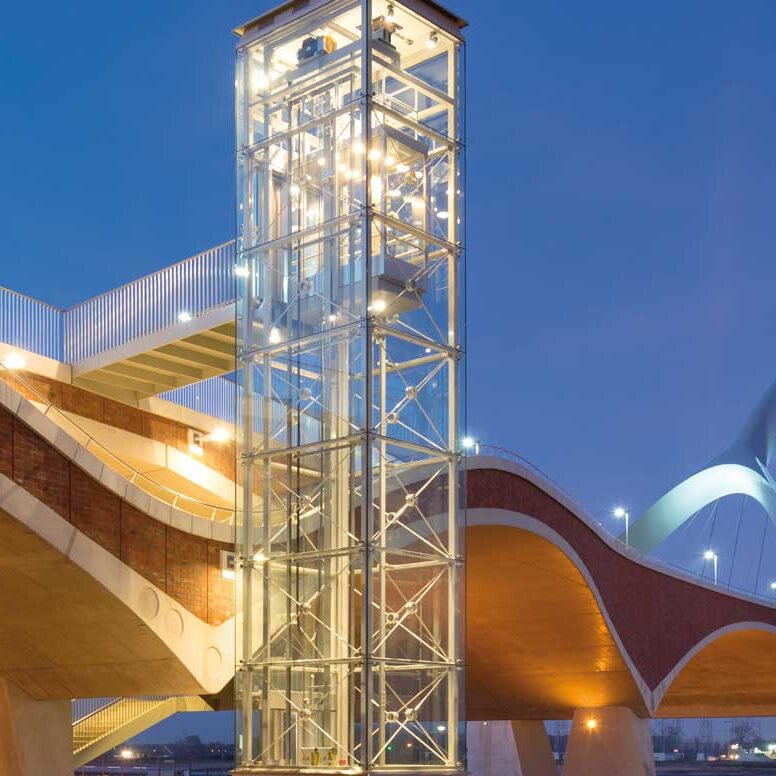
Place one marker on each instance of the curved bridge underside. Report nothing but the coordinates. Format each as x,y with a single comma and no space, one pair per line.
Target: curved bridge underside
560,616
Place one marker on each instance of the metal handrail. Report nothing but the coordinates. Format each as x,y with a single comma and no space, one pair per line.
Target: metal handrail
112,714
178,498
28,323
135,309
151,303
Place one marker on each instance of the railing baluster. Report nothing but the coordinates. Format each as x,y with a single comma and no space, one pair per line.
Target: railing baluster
112,319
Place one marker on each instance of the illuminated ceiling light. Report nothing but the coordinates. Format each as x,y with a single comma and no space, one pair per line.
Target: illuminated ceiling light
184,316
375,154
274,335
228,574
433,39
418,175
394,192
379,305
219,435
342,168
467,442
260,557
294,189
321,161
390,11
443,215
591,724
312,212
241,272
259,80
441,728
14,361
358,147
401,167
126,754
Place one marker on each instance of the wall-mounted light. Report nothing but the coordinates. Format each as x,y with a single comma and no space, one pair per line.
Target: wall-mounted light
195,443
228,565
433,39
184,316
14,361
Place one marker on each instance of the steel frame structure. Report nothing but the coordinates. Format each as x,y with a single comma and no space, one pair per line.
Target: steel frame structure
350,316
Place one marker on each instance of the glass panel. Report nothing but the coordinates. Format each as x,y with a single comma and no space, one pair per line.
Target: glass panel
349,266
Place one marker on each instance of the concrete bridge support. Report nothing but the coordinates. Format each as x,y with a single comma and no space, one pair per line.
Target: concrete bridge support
609,740
518,748
36,737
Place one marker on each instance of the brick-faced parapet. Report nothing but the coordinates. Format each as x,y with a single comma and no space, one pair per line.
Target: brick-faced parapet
184,565
79,401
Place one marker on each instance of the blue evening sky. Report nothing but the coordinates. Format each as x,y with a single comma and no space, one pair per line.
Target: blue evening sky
621,190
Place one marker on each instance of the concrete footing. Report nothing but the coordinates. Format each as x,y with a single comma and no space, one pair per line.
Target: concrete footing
36,737
519,748
611,741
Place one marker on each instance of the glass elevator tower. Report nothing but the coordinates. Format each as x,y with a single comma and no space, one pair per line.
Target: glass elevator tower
350,557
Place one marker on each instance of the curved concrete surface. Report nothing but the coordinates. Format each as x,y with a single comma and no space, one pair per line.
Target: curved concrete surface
75,620
560,615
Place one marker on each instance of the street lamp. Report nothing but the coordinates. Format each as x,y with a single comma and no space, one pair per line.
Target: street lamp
469,443
709,555
622,514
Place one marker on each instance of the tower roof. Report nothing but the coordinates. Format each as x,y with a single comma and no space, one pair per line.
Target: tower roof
291,10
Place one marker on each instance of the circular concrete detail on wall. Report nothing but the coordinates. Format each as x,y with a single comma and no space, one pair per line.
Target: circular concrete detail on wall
213,662
173,623
148,603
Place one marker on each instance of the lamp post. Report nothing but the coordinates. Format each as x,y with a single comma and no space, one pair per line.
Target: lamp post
469,443
709,555
622,514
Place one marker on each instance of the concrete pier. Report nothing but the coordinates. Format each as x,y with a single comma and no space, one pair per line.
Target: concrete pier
611,741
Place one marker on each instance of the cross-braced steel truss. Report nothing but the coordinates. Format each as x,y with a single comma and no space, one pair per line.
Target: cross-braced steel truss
349,550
